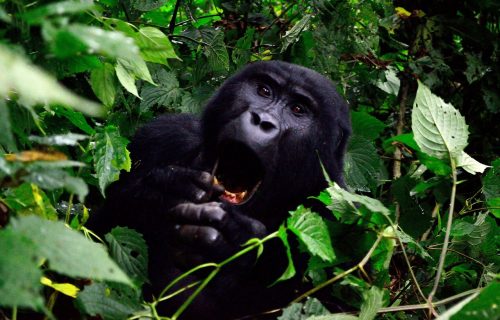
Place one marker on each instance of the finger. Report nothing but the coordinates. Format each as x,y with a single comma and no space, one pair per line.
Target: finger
199,235
210,213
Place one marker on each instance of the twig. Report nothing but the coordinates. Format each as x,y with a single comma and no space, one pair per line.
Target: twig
171,26
442,257
398,155
360,265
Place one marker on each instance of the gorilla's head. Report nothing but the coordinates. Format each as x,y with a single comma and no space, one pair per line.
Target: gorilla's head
268,128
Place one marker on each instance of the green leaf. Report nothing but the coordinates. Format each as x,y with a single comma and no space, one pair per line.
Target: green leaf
166,94
485,306
110,302
67,139
28,199
311,309
129,250
19,273
366,126
155,46
215,49
363,169
438,127
38,15
6,136
110,156
113,44
312,231
147,5
68,251
413,244
126,79
103,83
342,199
242,53
137,67
293,35
4,16
392,83
56,179
76,118
372,302
406,138
491,188
470,164
290,269
34,86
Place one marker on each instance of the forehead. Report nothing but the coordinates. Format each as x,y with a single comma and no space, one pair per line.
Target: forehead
288,76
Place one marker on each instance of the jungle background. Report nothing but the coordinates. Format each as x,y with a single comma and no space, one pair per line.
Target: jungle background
416,235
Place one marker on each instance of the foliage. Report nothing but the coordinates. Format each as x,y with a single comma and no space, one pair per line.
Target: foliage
419,238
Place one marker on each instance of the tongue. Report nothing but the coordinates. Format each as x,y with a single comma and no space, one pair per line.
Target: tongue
234,197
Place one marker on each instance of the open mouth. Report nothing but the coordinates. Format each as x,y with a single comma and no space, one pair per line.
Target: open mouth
239,171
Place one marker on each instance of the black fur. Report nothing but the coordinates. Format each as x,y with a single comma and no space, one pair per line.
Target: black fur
291,118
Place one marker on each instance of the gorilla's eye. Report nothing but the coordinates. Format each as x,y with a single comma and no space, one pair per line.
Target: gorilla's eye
263,91
298,109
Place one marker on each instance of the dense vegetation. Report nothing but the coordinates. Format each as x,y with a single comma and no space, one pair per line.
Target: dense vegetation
416,236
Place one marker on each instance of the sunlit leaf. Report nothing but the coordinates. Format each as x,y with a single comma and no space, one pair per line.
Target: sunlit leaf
67,139
438,127
35,86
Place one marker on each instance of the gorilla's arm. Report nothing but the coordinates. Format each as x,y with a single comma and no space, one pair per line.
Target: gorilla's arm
166,196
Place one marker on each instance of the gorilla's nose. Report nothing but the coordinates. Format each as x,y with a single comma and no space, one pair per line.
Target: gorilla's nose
264,124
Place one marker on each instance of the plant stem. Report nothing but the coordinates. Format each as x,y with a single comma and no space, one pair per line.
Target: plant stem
444,250
398,155
360,265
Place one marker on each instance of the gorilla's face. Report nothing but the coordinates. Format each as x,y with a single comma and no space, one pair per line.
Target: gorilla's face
265,129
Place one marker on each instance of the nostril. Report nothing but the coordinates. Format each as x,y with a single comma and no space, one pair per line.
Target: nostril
255,119
267,126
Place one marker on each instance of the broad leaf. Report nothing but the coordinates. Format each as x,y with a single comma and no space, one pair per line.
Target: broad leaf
312,231
155,45
129,250
491,188
126,79
470,164
372,302
103,83
215,49
67,139
34,86
292,35
290,269
438,127
342,199
39,14
19,273
110,302
363,169
110,156
67,251
484,306
166,94
51,179
28,199
366,125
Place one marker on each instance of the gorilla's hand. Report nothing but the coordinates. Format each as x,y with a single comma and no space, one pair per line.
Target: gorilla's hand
180,184
210,232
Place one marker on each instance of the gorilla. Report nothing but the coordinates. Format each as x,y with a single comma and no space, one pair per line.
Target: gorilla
200,188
